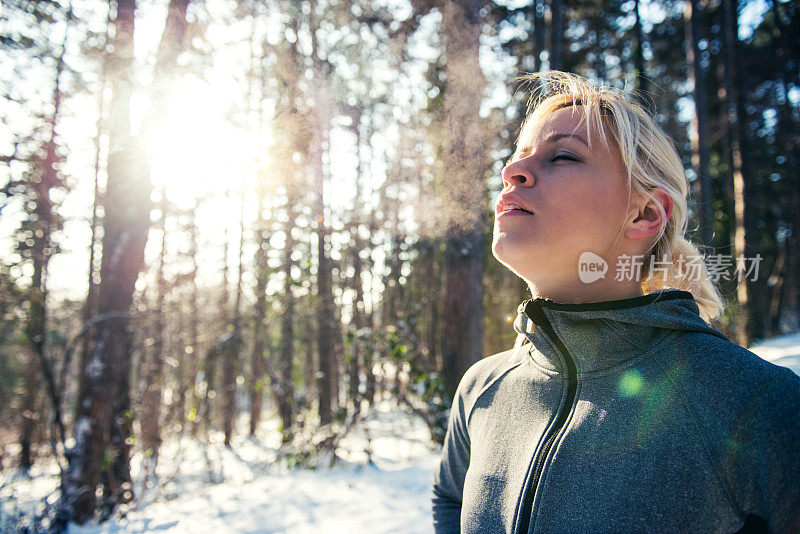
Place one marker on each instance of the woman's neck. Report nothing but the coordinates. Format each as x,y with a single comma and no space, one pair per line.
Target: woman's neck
599,291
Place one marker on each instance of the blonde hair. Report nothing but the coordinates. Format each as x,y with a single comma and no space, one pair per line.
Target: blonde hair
651,161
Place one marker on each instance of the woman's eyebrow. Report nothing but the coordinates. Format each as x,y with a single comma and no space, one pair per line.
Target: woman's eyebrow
552,138
556,136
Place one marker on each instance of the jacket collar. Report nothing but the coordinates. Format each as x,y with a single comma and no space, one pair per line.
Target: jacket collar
600,336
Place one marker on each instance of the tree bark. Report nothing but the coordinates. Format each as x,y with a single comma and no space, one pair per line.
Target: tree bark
736,139
100,457
357,302
325,311
369,264
29,417
230,364
556,35
310,363
218,350
293,135
153,372
642,82
537,8
102,424
257,364
45,177
462,340
284,389
100,454
90,305
700,138
193,351
787,134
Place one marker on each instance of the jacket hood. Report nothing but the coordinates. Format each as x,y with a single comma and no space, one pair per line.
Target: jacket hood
600,336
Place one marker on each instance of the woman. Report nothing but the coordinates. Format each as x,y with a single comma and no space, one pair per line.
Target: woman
619,409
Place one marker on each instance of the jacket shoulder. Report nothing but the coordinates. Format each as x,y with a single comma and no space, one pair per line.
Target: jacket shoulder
735,366
721,379
739,398
481,374
750,412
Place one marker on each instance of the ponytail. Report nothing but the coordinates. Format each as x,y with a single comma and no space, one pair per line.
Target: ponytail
680,265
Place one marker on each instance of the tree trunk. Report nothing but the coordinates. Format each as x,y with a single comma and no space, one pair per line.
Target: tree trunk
392,288
90,306
700,137
787,134
462,340
100,454
556,35
42,227
537,8
778,288
208,392
102,424
735,113
357,303
310,364
230,364
193,350
284,390
218,350
325,312
153,374
369,264
642,82
293,133
428,269
29,418
257,363
100,457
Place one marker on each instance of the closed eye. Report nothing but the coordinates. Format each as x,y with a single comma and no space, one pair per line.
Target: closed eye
564,156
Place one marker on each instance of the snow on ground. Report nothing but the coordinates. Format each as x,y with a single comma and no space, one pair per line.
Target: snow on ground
781,350
251,492
390,496
21,495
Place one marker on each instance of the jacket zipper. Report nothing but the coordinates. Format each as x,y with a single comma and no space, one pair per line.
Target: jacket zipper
540,319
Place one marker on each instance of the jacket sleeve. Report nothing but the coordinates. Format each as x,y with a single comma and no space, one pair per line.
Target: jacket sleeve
448,480
766,454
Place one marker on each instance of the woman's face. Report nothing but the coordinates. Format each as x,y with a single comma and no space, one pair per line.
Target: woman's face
577,199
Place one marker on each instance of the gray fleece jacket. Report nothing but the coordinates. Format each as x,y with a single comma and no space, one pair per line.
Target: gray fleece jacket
631,415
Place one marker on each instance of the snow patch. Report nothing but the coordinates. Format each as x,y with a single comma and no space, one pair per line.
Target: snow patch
781,350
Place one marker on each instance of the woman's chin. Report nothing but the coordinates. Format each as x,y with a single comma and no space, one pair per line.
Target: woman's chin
513,260
522,261
509,248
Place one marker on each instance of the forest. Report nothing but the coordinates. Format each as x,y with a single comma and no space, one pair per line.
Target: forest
226,220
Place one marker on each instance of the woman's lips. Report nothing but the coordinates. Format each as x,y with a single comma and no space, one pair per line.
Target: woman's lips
513,213
509,201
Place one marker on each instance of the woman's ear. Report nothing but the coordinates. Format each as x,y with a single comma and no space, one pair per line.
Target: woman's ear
646,219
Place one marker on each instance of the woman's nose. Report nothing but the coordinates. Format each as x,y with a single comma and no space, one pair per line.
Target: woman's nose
517,175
